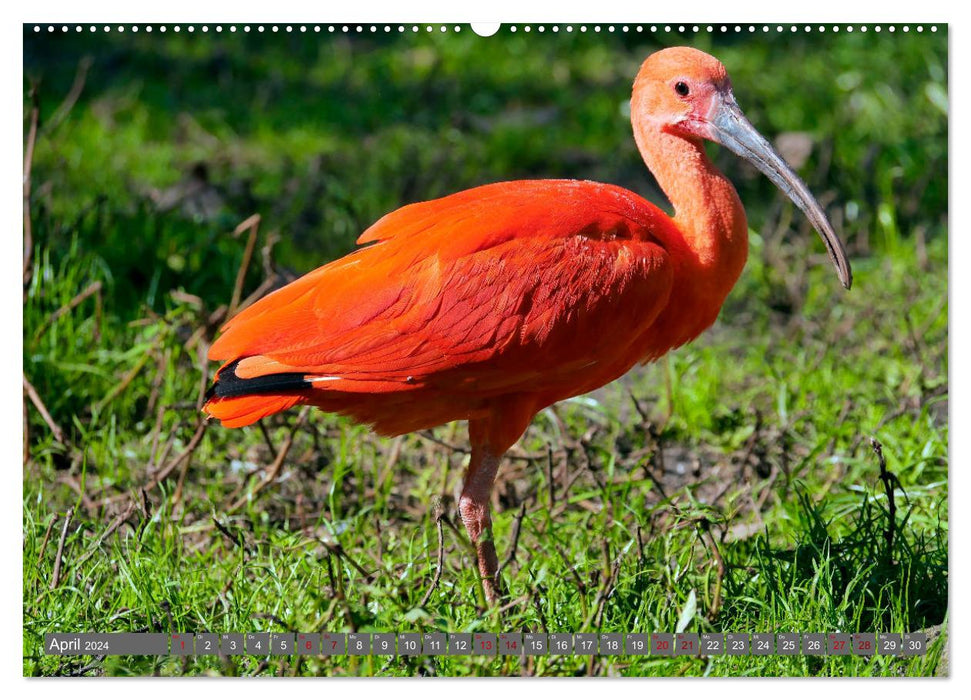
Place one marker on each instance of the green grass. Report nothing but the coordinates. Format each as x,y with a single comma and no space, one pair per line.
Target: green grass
749,447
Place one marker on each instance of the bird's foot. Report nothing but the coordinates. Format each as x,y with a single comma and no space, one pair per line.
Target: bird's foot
485,549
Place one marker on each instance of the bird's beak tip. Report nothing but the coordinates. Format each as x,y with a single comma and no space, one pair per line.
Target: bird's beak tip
728,126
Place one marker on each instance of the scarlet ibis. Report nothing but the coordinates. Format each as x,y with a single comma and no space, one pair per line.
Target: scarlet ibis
493,303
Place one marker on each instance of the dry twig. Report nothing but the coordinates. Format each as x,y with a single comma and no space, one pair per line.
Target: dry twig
277,465
439,511
47,537
28,163
115,524
26,424
44,413
92,289
236,539
516,528
716,596
77,87
890,481
58,558
186,453
253,225
130,376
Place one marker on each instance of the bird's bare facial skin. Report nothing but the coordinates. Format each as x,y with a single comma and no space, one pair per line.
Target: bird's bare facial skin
700,98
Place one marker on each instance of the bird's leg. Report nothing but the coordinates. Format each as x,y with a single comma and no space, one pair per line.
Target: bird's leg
474,509
490,436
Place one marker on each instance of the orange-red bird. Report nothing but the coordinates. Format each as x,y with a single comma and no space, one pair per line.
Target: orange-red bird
493,303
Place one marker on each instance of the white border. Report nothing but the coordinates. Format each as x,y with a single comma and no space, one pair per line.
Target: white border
602,12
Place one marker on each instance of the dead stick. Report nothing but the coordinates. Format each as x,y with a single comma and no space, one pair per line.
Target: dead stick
75,486
190,448
512,604
265,286
516,527
97,317
266,438
427,435
338,549
253,224
277,463
203,374
26,418
44,413
115,524
156,432
157,458
551,485
157,382
391,462
43,544
439,513
56,578
716,597
72,96
93,288
234,538
203,353
266,252
645,418
128,378
888,479
604,592
28,163
177,495
573,572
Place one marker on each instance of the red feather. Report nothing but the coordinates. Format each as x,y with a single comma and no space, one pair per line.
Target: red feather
463,299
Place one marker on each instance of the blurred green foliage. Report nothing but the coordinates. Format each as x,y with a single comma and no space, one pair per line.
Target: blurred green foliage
324,133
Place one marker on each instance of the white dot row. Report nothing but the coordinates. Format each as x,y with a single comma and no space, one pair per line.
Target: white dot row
414,28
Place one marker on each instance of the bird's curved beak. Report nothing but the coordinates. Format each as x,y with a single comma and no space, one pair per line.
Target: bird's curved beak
726,125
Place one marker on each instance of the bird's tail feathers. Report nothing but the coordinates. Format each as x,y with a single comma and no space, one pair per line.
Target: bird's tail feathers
239,401
238,411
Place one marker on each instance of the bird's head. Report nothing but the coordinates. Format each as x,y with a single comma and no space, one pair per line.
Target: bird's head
687,93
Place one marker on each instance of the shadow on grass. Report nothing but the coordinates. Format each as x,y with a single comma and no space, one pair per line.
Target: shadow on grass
899,586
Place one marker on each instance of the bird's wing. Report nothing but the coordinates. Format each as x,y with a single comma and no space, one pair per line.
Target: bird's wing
481,291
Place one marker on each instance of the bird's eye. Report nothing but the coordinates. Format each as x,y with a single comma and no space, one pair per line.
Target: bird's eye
682,89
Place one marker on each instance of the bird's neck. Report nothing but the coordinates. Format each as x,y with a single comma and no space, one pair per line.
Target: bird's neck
707,210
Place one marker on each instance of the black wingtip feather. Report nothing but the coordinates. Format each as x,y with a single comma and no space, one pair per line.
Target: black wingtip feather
228,385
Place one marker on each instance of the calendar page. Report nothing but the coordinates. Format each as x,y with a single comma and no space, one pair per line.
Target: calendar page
554,349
